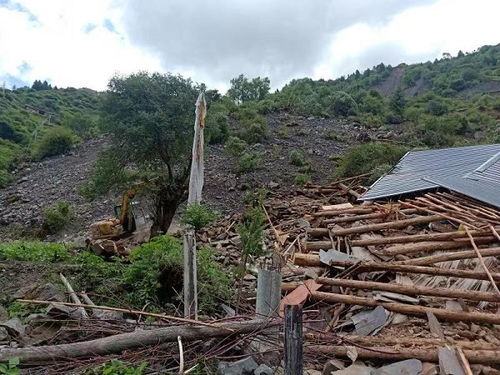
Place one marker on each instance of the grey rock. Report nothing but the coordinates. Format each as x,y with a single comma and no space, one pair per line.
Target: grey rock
263,370
4,335
14,327
407,367
367,322
245,366
4,315
48,292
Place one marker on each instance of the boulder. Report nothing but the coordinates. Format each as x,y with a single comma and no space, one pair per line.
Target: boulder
245,366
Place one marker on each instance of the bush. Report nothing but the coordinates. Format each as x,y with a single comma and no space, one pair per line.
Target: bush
34,251
217,128
55,142
297,158
251,232
301,179
343,104
236,146
366,158
156,274
249,162
56,216
254,132
198,216
84,126
115,367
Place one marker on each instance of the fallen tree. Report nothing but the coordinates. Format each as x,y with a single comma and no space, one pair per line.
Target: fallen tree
140,338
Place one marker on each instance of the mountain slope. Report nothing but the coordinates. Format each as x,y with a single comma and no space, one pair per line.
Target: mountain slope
27,114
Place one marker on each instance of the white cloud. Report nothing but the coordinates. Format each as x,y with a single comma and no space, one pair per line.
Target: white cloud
82,43
56,47
414,35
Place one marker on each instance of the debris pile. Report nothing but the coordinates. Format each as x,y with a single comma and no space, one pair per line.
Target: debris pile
402,287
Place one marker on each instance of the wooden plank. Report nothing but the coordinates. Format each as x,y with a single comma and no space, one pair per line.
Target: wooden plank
294,350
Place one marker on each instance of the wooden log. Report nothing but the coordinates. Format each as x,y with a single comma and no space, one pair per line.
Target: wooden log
313,261
294,350
375,215
413,290
353,210
469,254
389,225
391,353
397,341
131,340
422,247
354,193
452,316
74,297
418,238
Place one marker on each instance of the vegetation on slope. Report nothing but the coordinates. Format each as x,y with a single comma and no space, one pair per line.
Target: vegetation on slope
42,121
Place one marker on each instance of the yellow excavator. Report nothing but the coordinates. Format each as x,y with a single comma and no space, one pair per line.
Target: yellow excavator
125,221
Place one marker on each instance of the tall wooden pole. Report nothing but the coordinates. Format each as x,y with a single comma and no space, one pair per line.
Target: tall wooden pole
194,197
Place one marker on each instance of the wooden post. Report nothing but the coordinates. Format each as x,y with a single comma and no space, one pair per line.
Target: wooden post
268,293
190,275
294,351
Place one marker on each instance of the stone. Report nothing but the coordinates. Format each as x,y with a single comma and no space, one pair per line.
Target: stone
245,366
4,315
14,327
367,322
4,335
48,292
333,365
263,370
354,369
407,367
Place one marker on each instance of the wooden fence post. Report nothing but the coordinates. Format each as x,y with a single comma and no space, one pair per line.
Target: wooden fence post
190,275
294,354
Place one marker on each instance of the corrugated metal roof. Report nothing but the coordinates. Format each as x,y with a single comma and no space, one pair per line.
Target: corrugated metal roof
472,170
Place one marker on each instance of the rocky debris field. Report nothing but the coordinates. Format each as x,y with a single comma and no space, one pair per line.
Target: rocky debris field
44,183
58,178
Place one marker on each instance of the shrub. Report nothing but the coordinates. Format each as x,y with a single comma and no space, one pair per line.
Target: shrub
217,128
297,158
84,126
56,141
236,146
343,104
34,251
9,133
198,216
249,162
56,216
156,273
367,157
251,232
115,367
254,132
301,179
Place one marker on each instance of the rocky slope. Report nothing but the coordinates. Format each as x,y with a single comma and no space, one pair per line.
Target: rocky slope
58,178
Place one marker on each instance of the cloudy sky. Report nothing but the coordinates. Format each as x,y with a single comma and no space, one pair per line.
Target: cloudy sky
82,43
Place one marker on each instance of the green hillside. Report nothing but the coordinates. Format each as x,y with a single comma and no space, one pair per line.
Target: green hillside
450,101
28,118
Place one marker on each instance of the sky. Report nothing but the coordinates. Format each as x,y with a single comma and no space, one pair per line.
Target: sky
83,43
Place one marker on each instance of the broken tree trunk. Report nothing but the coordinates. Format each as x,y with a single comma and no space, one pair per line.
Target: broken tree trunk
353,210
118,343
413,290
453,316
427,355
314,260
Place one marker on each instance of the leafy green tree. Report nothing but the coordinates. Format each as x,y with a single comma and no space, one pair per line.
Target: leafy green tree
398,102
242,89
150,120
